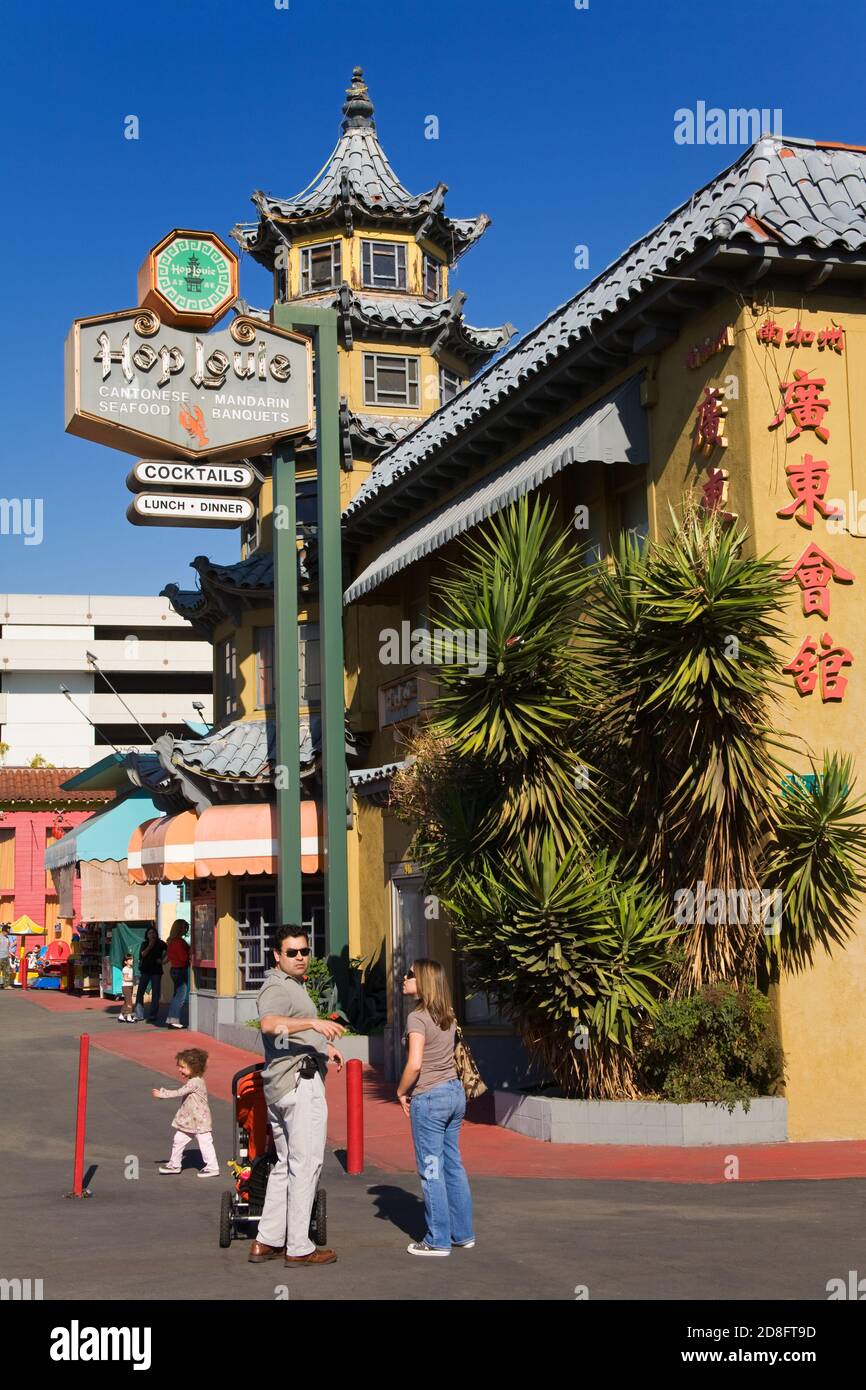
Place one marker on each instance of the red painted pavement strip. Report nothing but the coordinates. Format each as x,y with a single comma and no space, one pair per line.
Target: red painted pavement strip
488,1150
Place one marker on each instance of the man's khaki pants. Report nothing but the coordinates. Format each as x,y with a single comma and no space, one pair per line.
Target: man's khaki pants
299,1122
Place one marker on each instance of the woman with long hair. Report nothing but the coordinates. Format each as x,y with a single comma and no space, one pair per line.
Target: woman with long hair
436,1108
150,973
177,951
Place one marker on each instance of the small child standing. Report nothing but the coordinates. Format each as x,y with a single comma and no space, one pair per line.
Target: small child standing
193,1119
127,1013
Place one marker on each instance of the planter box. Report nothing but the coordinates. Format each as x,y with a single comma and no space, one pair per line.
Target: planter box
562,1121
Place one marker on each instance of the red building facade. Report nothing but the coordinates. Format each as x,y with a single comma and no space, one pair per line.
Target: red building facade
34,812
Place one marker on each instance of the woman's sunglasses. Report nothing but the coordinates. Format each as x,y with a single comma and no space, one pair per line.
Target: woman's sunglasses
410,975
297,951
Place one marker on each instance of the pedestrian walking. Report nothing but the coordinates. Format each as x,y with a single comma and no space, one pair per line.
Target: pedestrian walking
150,959
127,1012
193,1119
178,953
298,1046
5,956
436,1107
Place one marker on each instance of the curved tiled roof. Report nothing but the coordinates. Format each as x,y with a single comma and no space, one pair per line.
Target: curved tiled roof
36,784
357,177
783,193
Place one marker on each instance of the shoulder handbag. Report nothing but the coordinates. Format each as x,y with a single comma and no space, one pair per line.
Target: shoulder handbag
467,1072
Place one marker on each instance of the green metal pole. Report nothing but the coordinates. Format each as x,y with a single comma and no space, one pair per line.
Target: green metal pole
286,694
323,323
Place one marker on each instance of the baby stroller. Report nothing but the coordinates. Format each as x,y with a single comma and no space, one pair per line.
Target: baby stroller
255,1156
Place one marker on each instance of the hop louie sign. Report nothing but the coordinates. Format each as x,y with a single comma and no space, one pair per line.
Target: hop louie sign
137,386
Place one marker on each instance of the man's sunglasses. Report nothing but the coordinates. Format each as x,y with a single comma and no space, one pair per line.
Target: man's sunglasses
297,951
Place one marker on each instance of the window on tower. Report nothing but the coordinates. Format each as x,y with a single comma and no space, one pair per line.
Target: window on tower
321,267
383,265
449,384
432,278
390,380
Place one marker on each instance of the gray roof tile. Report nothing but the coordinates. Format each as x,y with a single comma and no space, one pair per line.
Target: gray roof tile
758,185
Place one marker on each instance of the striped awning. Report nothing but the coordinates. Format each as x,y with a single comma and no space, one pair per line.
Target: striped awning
224,841
614,430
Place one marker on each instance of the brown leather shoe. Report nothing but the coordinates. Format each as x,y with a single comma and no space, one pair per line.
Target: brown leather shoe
260,1252
315,1257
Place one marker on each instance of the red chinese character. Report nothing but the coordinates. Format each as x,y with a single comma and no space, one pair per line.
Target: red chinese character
709,423
813,572
832,338
714,490
808,664
807,483
799,336
770,332
803,402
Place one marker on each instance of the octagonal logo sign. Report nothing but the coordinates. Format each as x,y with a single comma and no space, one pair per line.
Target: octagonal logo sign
138,386
190,279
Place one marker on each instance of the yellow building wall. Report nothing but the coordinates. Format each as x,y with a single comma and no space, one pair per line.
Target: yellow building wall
822,1011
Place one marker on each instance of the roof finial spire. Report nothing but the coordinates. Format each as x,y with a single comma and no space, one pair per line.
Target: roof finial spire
358,108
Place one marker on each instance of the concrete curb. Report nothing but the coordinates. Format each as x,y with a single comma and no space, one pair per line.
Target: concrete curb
654,1123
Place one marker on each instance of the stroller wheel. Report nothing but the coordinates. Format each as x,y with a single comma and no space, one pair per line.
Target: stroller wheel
319,1219
226,1220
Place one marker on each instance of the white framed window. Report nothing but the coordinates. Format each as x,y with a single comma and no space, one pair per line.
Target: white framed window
449,384
383,265
390,380
227,675
432,278
321,267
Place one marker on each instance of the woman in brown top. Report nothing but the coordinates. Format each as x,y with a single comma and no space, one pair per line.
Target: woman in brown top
436,1108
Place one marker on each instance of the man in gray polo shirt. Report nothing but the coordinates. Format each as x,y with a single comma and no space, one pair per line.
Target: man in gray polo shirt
297,1047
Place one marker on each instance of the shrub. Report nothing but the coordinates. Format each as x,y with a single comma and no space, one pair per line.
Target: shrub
719,1044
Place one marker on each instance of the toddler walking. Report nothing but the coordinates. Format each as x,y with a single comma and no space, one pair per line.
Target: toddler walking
193,1119
127,1013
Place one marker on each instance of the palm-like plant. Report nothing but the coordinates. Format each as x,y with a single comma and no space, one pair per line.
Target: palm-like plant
817,861
680,640
653,680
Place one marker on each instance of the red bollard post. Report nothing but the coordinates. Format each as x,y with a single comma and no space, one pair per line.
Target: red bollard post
78,1188
354,1117
22,971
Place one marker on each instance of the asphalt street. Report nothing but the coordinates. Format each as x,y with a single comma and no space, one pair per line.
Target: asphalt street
143,1236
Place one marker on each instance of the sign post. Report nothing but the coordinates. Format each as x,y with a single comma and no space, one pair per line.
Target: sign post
323,325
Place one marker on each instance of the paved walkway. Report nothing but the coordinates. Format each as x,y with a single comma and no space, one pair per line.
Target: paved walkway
488,1150
146,1238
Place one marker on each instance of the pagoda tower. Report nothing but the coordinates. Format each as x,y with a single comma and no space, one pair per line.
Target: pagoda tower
358,241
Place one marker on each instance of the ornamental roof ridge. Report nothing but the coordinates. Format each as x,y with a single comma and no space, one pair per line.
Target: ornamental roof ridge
357,177
788,193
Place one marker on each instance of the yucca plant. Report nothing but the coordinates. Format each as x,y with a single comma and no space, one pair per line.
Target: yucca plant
681,643
817,861
618,747
574,954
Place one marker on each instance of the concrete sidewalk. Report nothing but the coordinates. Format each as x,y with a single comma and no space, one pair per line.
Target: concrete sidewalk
488,1150
143,1236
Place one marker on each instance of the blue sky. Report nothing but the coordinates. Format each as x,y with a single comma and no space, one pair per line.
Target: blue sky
555,121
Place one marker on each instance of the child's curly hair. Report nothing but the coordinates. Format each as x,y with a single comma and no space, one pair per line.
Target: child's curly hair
193,1057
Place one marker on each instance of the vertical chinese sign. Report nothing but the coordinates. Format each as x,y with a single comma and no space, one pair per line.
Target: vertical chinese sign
803,414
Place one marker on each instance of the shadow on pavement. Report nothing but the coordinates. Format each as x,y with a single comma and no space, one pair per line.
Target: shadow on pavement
400,1208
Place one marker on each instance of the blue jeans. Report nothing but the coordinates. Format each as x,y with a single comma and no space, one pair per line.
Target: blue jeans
436,1117
155,983
180,980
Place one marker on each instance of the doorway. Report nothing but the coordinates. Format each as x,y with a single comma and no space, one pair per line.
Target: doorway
408,942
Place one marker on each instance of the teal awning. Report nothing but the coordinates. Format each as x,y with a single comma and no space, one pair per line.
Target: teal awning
104,835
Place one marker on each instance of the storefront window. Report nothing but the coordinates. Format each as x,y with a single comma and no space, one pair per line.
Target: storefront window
204,941
258,915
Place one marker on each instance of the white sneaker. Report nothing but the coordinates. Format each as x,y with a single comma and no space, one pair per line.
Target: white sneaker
207,1173
166,1168
420,1247
464,1244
